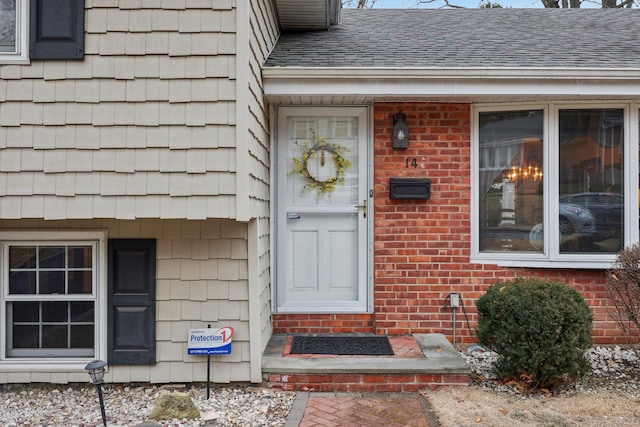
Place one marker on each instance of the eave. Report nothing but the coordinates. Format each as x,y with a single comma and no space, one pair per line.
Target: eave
366,85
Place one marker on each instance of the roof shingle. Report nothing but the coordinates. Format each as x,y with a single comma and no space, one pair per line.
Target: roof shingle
465,38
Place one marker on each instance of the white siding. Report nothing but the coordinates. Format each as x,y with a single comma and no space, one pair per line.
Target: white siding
141,138
264,35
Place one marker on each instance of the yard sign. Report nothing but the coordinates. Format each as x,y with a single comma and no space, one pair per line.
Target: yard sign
210,341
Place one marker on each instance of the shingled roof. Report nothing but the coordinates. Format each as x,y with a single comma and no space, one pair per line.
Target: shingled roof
464,38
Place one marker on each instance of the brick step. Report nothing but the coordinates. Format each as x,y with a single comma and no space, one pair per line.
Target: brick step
437,363
363,383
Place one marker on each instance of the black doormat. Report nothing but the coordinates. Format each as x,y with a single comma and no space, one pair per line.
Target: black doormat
349,345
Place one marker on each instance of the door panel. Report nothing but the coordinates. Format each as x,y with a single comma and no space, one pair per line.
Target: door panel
324,248
343,243
322,237
304,251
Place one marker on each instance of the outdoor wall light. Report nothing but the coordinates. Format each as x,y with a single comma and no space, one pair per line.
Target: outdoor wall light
96,371
400,132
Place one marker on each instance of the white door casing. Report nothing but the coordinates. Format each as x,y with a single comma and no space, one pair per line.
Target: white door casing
322,239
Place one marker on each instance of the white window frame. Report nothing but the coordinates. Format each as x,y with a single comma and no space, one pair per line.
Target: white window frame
550,257
21,52
57,364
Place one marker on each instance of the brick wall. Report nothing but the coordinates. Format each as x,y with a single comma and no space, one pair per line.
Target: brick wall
322,323
422,247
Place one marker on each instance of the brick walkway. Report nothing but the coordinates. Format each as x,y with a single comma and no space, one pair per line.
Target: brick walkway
358,410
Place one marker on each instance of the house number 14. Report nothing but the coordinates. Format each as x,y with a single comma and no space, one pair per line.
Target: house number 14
414,162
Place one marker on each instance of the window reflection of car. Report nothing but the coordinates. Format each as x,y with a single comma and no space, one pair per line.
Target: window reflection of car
607,208
574,222
575,219
572,219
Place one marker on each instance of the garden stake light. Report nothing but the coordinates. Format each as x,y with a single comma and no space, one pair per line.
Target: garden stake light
96,372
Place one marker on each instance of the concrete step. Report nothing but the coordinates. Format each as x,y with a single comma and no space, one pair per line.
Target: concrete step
438,365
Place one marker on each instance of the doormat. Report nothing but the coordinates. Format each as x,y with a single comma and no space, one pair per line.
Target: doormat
344,346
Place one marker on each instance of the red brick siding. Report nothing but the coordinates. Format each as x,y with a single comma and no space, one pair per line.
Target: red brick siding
422,247
322,323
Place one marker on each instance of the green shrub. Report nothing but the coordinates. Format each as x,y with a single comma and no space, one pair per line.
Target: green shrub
539,328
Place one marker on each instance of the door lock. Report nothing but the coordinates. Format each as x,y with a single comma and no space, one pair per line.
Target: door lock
364,208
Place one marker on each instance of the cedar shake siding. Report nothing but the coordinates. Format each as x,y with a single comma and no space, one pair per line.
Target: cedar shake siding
156,135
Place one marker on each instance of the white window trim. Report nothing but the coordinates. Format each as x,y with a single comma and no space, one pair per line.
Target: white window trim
70,364
550,257
21,54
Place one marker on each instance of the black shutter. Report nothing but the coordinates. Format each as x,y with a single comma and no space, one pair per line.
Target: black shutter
131,302
56,29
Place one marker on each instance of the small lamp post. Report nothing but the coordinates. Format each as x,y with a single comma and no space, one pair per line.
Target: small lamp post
96,372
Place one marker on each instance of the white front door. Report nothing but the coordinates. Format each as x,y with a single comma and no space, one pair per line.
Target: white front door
322,218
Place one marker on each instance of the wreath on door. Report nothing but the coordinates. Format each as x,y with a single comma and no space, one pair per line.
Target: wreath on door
323,149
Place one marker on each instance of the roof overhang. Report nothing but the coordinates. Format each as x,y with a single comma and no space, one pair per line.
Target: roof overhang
361,85
308,14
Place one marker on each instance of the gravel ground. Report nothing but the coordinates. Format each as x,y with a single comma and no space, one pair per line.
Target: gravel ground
614,369
77,405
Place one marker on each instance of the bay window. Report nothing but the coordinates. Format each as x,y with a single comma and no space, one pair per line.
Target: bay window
551,184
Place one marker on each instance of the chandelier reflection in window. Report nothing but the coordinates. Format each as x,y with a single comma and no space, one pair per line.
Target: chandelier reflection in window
525,173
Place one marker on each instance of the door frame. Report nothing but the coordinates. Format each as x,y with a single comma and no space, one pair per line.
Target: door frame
364,304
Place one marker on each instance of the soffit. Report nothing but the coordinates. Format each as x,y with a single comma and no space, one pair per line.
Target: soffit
308,14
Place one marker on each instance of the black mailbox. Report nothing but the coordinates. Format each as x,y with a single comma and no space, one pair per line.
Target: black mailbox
410,188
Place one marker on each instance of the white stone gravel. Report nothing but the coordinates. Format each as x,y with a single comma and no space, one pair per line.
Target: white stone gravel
613,368
78,405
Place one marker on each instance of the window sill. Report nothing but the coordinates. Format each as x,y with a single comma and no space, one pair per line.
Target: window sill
43,365
573,264
14,60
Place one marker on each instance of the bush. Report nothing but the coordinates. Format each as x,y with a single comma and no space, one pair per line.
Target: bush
539,328
623,289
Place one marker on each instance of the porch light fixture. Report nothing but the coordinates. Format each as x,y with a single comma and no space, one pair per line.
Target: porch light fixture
96,371
400,132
